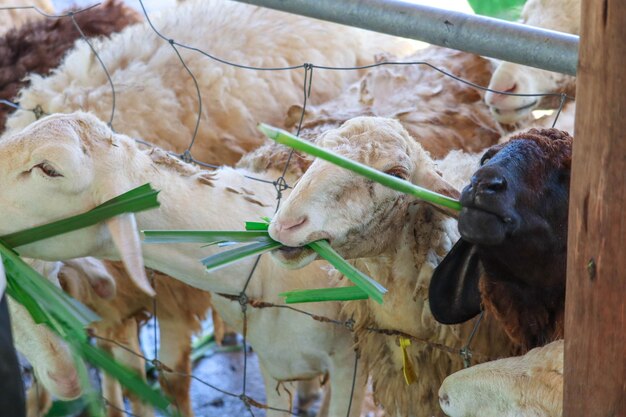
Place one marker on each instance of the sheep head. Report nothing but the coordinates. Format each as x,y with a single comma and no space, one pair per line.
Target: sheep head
559,15
513,249
519,195
63,165
357,216
529,385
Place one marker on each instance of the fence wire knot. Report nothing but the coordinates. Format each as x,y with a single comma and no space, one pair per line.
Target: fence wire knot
349,324
160,366
243,301
38,112
281,185
466,354
186,156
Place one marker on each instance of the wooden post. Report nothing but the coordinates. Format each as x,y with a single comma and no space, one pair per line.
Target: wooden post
595,310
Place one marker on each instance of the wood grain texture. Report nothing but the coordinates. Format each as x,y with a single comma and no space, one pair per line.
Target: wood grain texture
595,324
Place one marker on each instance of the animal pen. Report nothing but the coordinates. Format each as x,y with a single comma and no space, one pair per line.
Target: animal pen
595,324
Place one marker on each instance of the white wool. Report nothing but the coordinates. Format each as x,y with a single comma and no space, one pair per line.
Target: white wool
529,385
98,163
156,98
558,15
397,241
14,18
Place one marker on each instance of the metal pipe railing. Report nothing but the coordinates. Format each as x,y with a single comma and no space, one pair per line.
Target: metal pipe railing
514,42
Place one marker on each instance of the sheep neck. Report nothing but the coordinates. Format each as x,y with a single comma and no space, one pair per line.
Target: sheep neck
407,265
204,200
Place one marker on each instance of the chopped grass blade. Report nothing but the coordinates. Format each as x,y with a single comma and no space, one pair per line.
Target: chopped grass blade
62,314
222,259
125,376
367,284
40,296
201,236
397,184
257,226
138,199
324,294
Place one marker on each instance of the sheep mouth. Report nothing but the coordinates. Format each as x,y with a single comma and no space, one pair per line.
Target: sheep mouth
484,226
294,257
511,115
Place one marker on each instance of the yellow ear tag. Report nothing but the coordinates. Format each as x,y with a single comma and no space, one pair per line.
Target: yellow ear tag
407,367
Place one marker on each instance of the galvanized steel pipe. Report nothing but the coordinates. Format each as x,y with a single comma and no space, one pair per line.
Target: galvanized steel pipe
546,49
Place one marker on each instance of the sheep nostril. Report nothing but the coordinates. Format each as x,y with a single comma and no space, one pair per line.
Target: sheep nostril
495,184
294,224
511,89
444,400
491,184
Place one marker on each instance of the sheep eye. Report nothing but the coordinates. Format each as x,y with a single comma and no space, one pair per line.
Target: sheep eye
398,173
47,169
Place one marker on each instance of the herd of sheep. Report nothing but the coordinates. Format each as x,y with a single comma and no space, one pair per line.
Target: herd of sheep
503,258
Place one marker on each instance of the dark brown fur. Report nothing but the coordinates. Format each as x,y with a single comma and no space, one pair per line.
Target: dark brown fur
39,46
524,282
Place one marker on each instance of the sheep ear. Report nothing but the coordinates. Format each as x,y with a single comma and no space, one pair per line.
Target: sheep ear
453,294
95,272
123,229
435,182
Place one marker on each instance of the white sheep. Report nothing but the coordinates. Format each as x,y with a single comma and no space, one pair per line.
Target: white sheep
559,15
523,386
70,163
14,18
156,98
180,310
396,240
440,112
51,359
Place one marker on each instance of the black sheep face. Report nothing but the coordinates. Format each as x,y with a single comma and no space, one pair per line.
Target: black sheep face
517,202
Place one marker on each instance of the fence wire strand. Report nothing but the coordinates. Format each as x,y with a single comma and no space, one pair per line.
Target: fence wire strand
280,185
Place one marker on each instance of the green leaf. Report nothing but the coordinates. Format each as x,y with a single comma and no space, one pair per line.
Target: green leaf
93,401
324,294
138,199
66,408
286,138
367,284
125,376
222,259
257,226
44,300
203,236
501,9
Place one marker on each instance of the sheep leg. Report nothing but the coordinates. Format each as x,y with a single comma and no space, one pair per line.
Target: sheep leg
175,353
126,334
341,391
38,400
277,394
309,393
111,389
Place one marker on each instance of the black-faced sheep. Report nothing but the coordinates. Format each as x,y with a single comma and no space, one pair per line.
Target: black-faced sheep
512,255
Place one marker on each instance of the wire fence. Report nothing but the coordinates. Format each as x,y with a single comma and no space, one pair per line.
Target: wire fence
280,184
